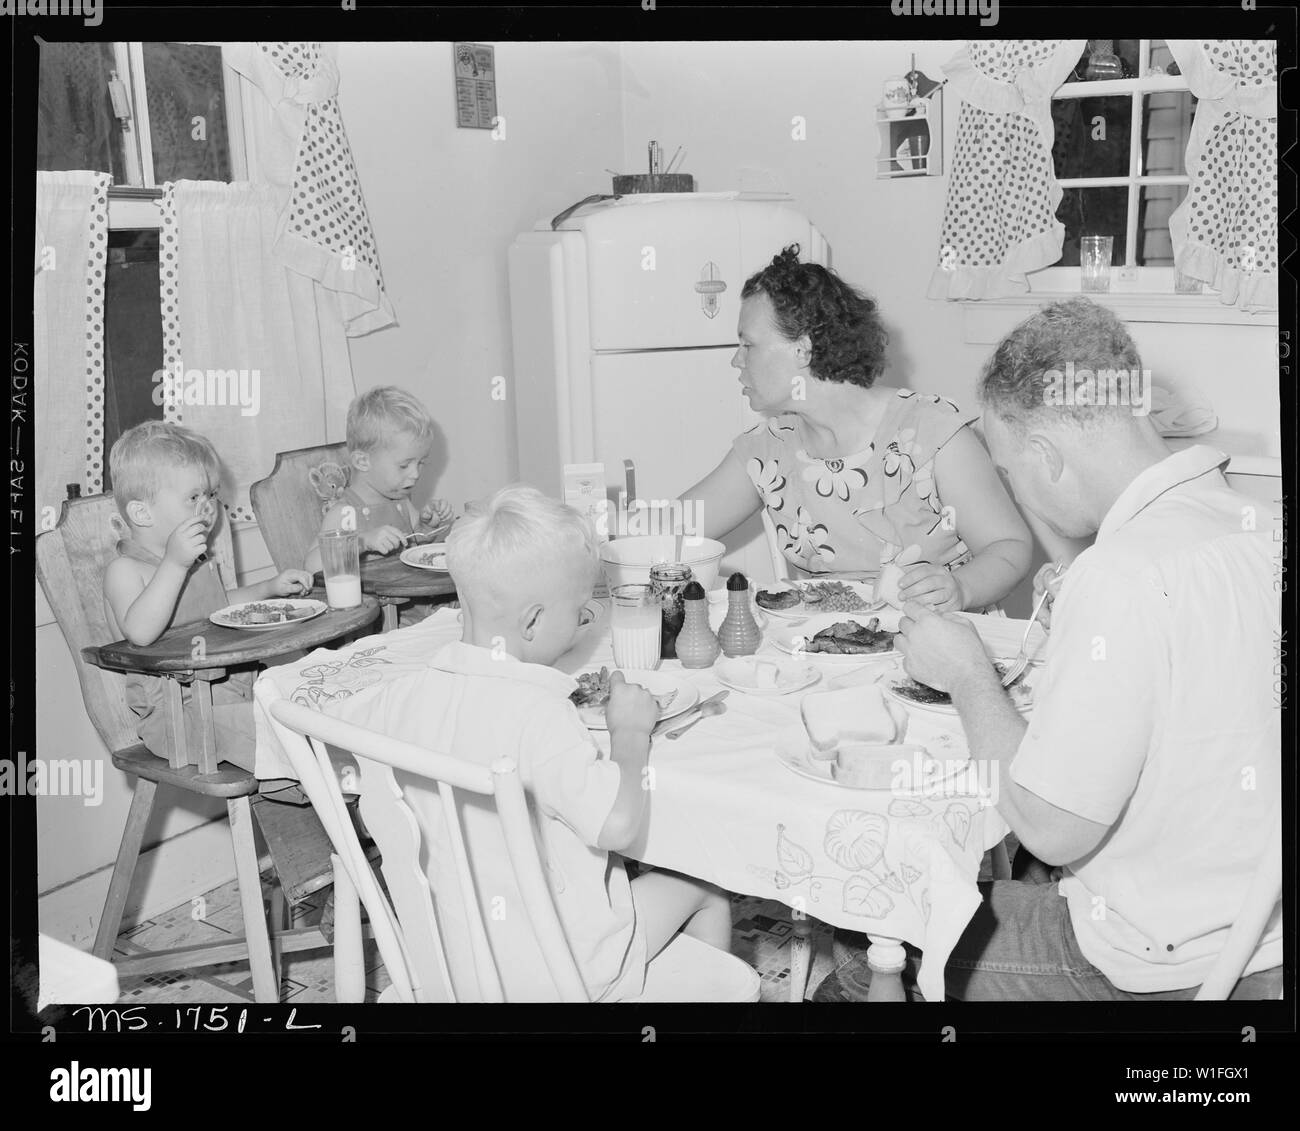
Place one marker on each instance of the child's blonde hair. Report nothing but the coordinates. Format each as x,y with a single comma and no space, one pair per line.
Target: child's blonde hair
375,416
517,531
139,462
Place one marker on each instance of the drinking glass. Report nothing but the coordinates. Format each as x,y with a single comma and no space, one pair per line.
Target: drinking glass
1094,263
340,555
635,622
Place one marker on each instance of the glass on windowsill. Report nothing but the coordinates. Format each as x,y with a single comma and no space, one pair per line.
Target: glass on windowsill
1186,285
1094,263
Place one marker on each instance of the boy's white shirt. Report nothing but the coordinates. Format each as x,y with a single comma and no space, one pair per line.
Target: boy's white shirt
401,684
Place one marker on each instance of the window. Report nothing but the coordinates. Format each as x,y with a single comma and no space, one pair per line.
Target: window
1122,122
147,113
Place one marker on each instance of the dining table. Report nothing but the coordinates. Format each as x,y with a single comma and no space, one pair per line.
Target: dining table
198,653
900,866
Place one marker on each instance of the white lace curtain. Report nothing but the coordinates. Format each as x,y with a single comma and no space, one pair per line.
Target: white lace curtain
1225,231
264,344
999,220
68,337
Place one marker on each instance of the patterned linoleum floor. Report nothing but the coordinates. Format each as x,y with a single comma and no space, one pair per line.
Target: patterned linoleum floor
761,933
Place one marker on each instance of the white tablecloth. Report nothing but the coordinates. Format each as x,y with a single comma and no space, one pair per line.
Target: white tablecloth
724,808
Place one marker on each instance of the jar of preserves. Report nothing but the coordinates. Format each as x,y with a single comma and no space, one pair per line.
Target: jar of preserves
667,581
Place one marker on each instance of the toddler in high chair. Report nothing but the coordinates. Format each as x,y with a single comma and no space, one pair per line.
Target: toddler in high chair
389,436
165,481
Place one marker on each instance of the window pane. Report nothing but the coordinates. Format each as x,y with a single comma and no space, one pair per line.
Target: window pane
76,128
1155,203
1092,136
133,343
1105,59
187,112
1093,212
1166,126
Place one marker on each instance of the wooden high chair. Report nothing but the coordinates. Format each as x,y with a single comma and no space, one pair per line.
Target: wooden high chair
70,563
409,929
288,506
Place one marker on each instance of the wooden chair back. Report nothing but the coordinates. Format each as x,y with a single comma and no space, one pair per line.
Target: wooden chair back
395,814
780,564
70,563
1248,928
288,505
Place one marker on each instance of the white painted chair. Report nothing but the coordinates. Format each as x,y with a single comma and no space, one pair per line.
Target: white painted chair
1257,908
781,570
408,929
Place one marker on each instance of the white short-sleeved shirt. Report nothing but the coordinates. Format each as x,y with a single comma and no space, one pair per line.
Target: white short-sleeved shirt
1157,716
478,708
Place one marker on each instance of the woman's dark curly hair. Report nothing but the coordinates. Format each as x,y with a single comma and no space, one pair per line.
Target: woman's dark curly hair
848,340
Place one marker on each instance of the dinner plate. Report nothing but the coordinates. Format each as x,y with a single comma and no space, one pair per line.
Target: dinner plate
657,683
787,638
794,753
1021,692
864,589
432,557
304,609
741,674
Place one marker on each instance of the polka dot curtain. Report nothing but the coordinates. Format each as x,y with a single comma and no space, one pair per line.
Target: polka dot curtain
68,365
1225,231
999,219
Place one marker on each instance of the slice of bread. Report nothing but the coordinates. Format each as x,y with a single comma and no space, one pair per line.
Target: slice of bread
864,766
855,714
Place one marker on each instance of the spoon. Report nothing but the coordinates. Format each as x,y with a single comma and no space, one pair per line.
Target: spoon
706,710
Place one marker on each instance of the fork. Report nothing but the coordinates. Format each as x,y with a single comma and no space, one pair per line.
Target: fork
1022,657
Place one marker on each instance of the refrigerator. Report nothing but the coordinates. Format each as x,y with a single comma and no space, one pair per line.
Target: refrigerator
623,319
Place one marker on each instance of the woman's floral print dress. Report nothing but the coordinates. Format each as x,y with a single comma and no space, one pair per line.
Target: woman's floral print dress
852,515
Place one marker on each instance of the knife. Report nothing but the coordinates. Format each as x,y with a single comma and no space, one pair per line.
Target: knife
680,720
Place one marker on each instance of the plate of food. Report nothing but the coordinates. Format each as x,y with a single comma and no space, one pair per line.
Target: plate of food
904,769
837,637
673,694
755,676
913,694
268,614
799,599
432,556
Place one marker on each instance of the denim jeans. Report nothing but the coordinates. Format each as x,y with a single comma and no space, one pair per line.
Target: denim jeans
1019,946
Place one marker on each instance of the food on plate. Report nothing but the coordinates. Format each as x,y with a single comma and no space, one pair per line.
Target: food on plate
855,714
593,691
778,599
268,612
866,766
851,638
928,696
767,675
831,597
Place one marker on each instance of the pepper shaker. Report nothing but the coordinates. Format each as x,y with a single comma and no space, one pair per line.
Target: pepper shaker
697,646
739,634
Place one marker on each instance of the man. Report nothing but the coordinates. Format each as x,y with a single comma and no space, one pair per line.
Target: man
1149,770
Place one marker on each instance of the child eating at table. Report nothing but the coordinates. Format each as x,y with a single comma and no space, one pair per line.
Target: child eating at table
164,483
524,566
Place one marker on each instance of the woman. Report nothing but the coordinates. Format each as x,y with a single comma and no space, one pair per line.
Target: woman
853,475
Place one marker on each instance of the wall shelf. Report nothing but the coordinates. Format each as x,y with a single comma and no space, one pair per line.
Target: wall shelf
911,138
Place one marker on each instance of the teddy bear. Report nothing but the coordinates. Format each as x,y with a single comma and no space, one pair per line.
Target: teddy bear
329,480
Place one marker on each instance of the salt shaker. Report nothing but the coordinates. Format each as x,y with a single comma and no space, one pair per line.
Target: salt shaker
697,646
739,634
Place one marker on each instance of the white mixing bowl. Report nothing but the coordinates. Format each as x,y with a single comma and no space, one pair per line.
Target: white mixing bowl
627,561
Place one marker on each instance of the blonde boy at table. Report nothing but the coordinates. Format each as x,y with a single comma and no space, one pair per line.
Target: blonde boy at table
389,436
164,483
524,566
1150,769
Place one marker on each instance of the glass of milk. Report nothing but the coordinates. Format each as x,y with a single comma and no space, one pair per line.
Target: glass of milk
635,618
340,555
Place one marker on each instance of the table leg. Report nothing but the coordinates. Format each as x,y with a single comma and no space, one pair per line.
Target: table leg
178,753
800,958
201,701
886,957
390,616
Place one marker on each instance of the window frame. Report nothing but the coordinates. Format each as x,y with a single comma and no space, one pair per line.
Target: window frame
1127,278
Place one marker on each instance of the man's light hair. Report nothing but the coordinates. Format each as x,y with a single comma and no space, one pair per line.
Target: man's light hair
515,534
378,417
149,454
1074,335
